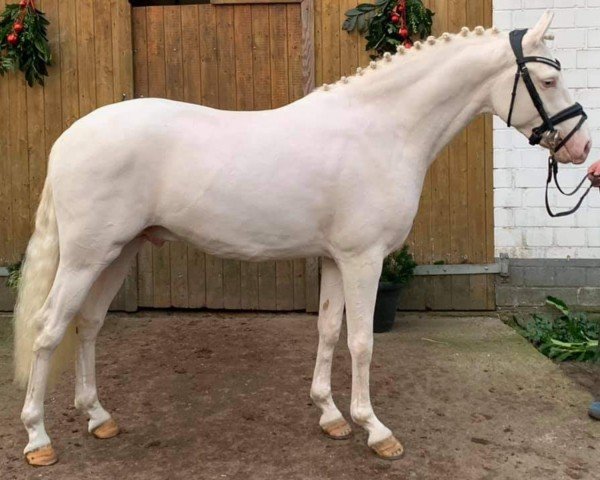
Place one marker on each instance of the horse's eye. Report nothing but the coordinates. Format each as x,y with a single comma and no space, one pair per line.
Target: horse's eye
550,83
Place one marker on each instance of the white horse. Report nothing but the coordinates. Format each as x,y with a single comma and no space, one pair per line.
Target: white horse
337,174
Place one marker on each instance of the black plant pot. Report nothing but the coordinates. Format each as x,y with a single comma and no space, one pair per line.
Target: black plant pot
385,306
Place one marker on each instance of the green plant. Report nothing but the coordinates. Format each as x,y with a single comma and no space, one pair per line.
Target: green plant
14,275
571,336
398,267
386,24
24,42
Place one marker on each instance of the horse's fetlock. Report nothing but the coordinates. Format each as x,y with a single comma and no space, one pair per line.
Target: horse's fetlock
320,393
30,416
85,401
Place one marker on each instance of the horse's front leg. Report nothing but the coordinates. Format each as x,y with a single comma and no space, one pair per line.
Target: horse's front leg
331,310
360,275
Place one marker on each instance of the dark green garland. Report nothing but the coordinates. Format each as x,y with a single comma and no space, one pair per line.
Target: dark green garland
24,42
383,34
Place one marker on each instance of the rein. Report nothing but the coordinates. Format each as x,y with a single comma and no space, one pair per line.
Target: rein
546,131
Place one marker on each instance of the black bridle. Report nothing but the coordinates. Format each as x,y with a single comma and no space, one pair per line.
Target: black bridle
546,131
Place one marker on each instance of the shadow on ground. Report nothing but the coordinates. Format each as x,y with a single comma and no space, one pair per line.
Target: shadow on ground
225,396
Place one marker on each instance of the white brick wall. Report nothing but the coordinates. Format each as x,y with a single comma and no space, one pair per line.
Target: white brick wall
523,229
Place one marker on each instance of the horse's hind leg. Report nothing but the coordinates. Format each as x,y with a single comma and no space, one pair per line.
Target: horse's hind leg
89,321
331,311
73,280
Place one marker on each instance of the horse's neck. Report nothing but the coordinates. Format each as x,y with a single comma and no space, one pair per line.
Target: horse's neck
422,99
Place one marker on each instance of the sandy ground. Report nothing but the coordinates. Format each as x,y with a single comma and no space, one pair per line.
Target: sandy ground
225,396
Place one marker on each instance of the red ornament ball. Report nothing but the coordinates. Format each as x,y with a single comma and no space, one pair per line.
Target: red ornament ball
403,32
395,18
408,44
18,27
12,38
23,3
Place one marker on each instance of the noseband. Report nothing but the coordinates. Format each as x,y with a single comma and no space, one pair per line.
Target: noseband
546,131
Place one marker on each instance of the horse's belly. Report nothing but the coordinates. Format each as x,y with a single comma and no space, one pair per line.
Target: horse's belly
245,234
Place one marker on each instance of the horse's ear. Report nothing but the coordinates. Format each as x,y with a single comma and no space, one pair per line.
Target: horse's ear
536,34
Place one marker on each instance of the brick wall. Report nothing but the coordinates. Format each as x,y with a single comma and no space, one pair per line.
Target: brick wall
523,229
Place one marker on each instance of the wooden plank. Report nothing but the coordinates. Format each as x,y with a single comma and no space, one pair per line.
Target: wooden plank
190,44
52,84
308,45
311,276
348,42
196,278
476,226
284,291
68,62
260,57
313,72
210,96
5,185
19,168
192,91
294,53
331,41
174,75
245,101
155,39
459,216
243,57
104,51
318,36
440,288
227,100
145,276
262,100
296,91
140,53
489,204
489,179
36,146
208,55
86,56
122,50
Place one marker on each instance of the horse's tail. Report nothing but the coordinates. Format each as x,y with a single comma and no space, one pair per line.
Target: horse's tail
37,276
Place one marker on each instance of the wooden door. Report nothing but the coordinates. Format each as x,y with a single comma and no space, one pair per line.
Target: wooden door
90,42
455,220
236,56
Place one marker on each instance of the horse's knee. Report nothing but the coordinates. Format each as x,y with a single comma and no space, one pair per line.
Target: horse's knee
361,346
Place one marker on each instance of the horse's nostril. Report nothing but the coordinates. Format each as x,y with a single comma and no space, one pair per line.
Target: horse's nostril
588,147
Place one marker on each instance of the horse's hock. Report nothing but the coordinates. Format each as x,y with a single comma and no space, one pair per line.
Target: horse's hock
244,55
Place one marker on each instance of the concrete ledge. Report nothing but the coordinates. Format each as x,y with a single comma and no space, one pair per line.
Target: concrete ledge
530,281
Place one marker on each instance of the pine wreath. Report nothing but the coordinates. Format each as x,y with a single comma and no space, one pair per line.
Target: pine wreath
24,41
389,23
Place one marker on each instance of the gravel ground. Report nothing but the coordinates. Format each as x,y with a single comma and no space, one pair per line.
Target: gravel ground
225,396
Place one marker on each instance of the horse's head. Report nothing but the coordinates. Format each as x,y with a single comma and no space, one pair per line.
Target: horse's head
552,119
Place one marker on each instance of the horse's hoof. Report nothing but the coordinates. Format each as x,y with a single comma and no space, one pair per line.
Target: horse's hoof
108,429
388,449
338,429
42,457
